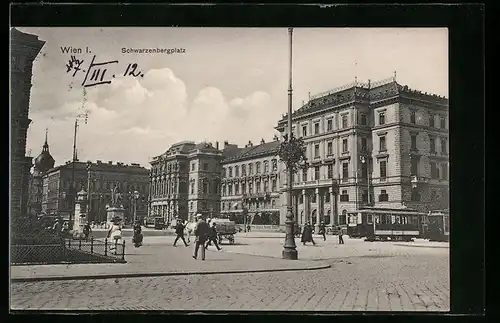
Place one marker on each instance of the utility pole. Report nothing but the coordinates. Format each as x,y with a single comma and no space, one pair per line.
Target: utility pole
73,184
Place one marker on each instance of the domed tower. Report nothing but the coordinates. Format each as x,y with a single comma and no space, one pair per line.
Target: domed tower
42,164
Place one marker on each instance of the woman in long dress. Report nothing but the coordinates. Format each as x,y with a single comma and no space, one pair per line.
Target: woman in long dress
115,233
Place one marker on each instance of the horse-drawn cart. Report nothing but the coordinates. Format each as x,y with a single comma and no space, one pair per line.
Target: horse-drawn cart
226,230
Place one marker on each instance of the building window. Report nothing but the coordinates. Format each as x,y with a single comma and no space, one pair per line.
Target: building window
224,190
236,189
205,187
243,170
383,169
275,165
345,171
330,171
223,172
304,174
434,171
266,167
273,187
205,166
381,118
313,198
304,131
243,188
329,149
192,188
345,147
414,167
364,144
257,167
193,166
431,121
364,170
344,121
236,171
230,170
443,122
344,197
327,199
250,187
316,173
444,171
383,197
316,128
382,145
413,142
443,146
362,120
250,169
432,143
415,195
316,151
413,117
329,125
230,189
257,187
266,186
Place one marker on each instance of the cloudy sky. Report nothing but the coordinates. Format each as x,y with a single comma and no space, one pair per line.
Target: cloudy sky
229,84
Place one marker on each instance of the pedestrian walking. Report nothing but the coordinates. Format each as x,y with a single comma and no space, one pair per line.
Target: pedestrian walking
179,231
87,230
341,239
137,237
201,233
307,234
212,237
322,230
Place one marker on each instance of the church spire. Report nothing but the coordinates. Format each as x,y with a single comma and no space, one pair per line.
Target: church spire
46,144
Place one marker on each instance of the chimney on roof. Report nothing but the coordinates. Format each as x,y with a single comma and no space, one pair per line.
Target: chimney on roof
99,161
262,141
250,144
226,143
110,162
217,145
275,138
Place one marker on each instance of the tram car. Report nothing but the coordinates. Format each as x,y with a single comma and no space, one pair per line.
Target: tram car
438,227
383,224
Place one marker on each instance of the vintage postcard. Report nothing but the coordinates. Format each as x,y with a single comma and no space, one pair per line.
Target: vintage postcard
229,169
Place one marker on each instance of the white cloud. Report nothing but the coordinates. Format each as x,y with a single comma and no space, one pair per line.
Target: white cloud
132,120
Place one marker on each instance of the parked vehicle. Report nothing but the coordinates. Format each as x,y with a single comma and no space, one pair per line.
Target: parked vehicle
225,230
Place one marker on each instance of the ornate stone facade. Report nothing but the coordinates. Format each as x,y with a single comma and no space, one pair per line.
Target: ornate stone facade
185,180
104,177
380,137
250,180
24,50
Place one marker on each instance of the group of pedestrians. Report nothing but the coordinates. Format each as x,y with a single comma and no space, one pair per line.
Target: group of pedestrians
205,235
307,233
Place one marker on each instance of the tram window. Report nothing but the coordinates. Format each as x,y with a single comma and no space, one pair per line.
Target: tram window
369,219
404,219
377,219
393,219
398,220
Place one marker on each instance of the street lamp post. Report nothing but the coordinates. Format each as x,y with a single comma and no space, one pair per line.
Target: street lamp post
136,198
290,249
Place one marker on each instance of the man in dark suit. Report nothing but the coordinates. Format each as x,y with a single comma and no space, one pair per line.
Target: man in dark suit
179,231
201,232
212,237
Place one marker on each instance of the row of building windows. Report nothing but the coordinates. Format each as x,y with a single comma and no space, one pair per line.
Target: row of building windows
205,187
250,169
232,206
364,122
227,190
204,166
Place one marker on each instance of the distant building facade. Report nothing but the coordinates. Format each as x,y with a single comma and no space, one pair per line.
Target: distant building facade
185,180
379,143
24,50
103,178
251,182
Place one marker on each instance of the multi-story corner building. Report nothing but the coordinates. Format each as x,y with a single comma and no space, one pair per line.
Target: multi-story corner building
379,143
42,164
185,180
250,179
104,177
24,50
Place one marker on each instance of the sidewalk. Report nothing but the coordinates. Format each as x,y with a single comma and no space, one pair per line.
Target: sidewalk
162,260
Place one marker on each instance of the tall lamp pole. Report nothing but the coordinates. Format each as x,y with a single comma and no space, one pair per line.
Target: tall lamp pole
136,197
367,162
73,184
290,249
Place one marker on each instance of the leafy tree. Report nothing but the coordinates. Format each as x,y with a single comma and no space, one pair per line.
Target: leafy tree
292,152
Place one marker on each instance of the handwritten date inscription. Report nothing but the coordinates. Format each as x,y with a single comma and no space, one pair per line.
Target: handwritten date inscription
97,73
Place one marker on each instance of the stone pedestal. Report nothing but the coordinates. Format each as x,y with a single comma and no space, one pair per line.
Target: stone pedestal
113,212
80,218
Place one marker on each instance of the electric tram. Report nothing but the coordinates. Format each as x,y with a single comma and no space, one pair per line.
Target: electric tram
438,228
383,224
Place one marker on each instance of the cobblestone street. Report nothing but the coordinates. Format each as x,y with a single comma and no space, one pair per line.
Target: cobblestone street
389,278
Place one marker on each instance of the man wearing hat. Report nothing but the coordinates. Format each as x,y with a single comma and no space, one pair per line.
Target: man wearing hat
179,231
201,232
212,237
322,230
